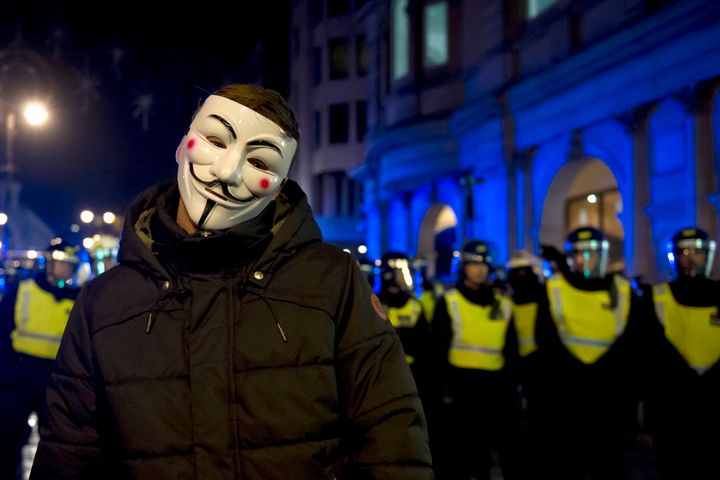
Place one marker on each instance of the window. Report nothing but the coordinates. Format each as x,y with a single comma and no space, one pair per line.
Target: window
339,65
361,56
598,210
400,39
436,35
339,123
318,129
317,65
338,7
536,7
361,120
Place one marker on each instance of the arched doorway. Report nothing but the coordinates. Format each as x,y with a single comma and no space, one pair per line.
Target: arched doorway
584,193
437,240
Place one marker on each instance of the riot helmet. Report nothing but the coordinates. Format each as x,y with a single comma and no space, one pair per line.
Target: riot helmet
61,263
476,262
396,273
691,253
586,251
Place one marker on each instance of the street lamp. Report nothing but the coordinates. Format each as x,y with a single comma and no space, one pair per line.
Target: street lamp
35,114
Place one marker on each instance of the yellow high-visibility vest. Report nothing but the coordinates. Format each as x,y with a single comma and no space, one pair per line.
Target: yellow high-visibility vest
693,331
525,315
587,323
406,316
39,321
478,338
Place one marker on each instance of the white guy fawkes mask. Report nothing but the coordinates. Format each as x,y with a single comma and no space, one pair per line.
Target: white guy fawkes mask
231,163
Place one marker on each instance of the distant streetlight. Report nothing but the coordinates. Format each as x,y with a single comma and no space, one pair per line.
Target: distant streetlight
108,217
3,218
592,198
88,242
35,113
86,216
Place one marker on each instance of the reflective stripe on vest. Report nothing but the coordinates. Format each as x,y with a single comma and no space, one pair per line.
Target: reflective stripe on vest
406,316
586,323
478,340
525,316
693,331
39,321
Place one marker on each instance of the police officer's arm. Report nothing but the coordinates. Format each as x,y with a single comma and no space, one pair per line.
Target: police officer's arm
7,317
69,444
441,336
387,432
511,350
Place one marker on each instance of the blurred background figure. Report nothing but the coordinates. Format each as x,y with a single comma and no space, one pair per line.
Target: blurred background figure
33,315
428,289
476,347
587,337
397,295
683,406
526,285
367,267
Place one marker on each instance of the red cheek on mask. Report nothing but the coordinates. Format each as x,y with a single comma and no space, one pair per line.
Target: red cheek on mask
191,143
264,183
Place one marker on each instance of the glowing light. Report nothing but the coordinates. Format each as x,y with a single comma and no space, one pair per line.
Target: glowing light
362,249
74,228
592,198
32,254
96,237
88,242
346,250
35,113
671,257
86,216
108,217
3,218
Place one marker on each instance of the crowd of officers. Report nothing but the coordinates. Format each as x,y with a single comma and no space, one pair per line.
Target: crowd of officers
560,376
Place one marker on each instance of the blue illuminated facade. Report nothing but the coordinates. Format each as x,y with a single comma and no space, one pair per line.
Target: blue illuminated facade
530,115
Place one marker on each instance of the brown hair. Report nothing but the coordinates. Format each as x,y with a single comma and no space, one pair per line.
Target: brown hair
264,101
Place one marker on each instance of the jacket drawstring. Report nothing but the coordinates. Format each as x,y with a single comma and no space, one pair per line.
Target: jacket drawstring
157,305
272,312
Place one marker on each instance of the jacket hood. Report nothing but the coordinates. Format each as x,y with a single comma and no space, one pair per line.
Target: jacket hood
293,226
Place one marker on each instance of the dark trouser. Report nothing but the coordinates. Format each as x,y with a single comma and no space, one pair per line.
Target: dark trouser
574,437
22,391
485,418
687,443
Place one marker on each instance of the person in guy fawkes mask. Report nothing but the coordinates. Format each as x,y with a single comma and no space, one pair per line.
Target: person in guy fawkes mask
476,346
230,341
682,361
585,371
33,315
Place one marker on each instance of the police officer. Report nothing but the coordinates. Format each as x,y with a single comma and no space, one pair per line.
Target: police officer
430,290
587,335
33,315
526,283
404,310
684,404
474,334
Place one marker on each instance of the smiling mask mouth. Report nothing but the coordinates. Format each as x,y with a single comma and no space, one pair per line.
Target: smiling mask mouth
226,195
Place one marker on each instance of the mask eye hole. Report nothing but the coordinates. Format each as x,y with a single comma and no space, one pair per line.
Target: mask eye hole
217,141
259,164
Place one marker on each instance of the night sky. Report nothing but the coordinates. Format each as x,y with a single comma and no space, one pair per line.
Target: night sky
103,144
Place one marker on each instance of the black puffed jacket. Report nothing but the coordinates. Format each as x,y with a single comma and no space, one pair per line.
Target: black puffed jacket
277,368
